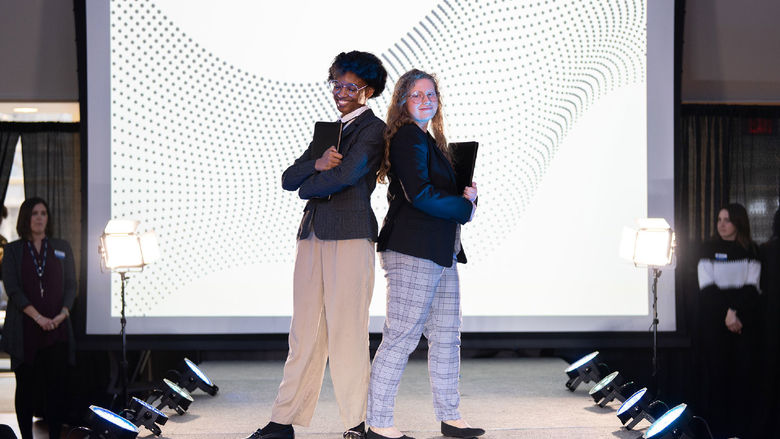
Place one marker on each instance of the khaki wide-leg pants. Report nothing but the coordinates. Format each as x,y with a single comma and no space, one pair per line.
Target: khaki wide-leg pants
333,284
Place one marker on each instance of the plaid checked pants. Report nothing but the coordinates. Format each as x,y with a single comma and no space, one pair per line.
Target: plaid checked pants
422,298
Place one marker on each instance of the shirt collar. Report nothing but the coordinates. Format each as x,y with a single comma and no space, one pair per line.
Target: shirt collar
349,117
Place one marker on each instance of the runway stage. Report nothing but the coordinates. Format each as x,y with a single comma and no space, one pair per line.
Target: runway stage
511,398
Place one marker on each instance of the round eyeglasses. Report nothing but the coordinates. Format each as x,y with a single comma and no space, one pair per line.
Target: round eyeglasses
418,96
351,89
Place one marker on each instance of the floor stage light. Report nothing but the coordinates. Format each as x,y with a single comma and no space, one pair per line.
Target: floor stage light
191,378
584,370
108,425
611,387
142,413
172,396
671,425
640,406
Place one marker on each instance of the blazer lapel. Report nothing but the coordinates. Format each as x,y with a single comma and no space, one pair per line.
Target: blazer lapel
346,136
444,162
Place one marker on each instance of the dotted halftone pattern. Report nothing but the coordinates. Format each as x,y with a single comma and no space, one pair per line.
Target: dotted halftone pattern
199,146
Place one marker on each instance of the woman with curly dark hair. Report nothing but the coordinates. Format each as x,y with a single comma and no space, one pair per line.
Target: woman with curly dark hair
334,264
420,248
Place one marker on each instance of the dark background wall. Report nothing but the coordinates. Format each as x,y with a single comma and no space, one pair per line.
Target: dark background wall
731,51
37,51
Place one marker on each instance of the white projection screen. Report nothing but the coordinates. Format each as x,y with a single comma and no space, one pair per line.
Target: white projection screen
196,107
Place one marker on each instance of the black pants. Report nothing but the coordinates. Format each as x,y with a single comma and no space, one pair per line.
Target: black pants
44,377
730,373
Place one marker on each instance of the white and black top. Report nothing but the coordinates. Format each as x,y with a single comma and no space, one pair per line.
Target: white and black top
731,271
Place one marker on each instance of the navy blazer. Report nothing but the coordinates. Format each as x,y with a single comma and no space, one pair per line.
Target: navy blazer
339,205
425,206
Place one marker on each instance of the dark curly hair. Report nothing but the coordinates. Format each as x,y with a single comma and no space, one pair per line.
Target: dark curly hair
365,65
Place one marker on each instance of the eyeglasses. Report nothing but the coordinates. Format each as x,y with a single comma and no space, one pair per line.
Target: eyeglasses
417,96
352,89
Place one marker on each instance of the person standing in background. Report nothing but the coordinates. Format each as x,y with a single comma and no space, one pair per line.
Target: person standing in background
730,321
770,291
40,278
3,242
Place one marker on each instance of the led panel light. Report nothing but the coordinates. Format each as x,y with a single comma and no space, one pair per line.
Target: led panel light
109,425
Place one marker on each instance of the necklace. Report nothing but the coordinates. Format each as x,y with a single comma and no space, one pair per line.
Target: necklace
39,269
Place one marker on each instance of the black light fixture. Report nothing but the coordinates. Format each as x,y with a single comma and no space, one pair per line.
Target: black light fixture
142,413
191,378
172,396
108,425
640,406
674,424
584,370
611,387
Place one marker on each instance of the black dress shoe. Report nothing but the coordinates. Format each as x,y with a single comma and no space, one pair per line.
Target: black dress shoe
371,434
452,431
274,431
356,432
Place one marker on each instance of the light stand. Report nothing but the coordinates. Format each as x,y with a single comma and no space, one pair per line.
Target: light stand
650,246
123,250
123,322
656,275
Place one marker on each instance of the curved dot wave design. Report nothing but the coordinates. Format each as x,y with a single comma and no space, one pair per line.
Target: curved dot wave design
199,146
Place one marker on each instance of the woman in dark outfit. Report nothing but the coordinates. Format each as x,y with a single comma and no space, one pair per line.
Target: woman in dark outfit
420,249
729,272
770,290
40,279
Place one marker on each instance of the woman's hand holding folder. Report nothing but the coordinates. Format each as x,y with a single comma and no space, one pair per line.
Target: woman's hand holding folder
330,159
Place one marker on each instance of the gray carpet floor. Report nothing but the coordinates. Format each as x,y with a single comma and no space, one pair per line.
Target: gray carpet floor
510,398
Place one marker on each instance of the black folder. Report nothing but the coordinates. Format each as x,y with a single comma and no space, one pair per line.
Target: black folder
464,157
326,134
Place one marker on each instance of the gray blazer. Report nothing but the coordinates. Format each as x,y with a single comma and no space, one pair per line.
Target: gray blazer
13,329
339,205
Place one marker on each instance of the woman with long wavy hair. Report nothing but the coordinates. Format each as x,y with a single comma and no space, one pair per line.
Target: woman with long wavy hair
419,247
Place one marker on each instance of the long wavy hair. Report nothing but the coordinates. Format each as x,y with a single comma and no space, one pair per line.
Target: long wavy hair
398,116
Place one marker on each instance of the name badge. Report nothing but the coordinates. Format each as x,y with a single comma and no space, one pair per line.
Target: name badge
59,254
721,256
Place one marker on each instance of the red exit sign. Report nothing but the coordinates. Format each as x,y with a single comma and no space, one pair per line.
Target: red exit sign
760,125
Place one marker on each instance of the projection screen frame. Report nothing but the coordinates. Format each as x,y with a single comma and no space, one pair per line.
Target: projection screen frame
97,127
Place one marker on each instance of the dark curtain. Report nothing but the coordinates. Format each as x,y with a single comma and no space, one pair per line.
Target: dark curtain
755,172
701,187
52,170
8,140
704,172
728,153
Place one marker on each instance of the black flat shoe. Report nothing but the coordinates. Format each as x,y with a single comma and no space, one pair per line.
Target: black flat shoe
274,431
371,434
356,432
452,431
